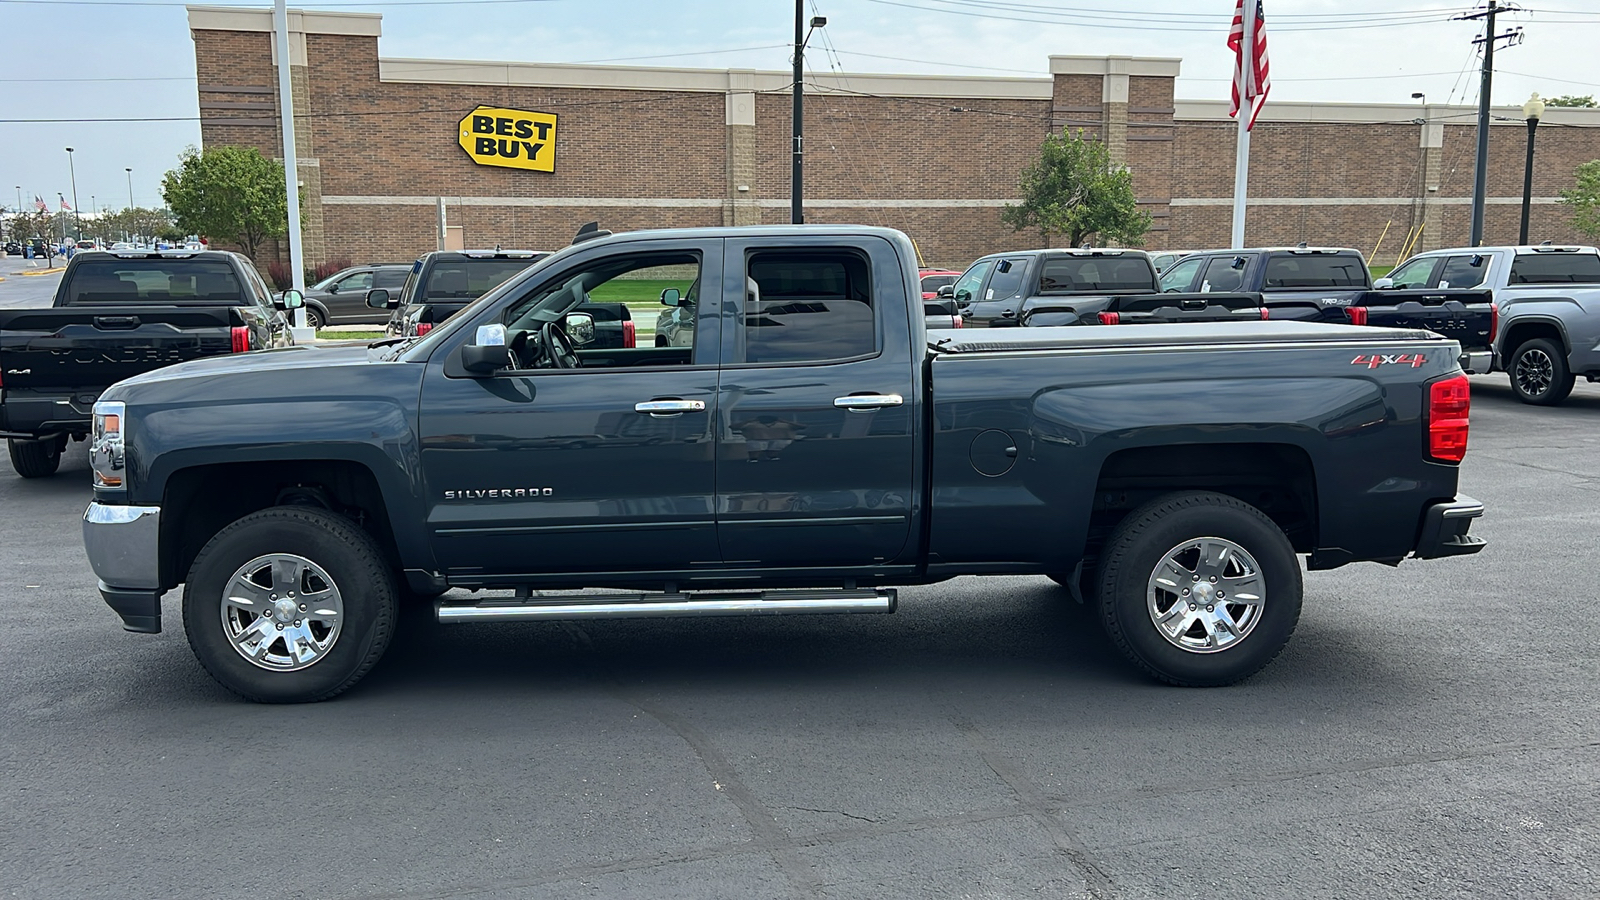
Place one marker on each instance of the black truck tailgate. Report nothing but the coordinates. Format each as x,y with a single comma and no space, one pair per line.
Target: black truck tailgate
96,346
1464,315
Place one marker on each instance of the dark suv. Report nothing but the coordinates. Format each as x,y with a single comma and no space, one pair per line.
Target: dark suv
443,283
341,298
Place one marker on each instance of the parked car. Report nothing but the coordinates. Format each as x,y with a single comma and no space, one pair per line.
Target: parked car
341,298
1004,289
443,283
1548,301
1164,260
1333,284
13,248
933,279
823,449
117,315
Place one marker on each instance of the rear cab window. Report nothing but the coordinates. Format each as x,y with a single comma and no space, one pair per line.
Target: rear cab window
1556,267
154,281
1287,271
465,280
1080,274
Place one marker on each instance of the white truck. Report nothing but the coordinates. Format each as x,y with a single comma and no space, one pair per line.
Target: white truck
1547,300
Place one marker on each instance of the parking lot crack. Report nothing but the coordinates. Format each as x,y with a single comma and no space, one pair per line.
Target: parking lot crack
835,812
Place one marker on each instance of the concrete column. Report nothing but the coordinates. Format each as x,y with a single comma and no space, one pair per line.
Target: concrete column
739,206
1114,109
312,236
1432,145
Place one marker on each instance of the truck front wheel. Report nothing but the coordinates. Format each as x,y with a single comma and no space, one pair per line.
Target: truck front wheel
35,459
290,604
1199,589
1539,373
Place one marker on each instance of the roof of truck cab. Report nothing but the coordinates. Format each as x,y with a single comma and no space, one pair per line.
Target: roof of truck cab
1081,337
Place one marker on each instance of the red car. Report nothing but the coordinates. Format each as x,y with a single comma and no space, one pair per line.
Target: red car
933,279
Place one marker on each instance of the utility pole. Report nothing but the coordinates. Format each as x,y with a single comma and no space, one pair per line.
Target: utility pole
1480,176
291,166
797,215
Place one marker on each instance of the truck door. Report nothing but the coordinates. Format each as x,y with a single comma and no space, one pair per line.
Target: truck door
816,417
602,468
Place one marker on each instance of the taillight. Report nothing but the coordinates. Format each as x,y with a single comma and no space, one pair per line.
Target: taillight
241,338
1110,318
628,334
1494,321
423,328
1448,403
1265,314
1356,314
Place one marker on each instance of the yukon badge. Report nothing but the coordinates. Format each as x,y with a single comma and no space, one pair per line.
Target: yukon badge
532,493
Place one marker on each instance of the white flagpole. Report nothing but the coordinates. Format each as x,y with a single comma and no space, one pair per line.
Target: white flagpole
1244,73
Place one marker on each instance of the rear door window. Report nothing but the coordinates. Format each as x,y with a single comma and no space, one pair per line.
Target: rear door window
1555,268
1465,271
1313,270
1006,282
159,281
1221,274
806,306
389,278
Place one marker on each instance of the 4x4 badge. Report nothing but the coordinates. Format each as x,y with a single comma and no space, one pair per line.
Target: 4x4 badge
1374,360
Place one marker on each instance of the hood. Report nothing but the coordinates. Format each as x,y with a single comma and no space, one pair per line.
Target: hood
256,362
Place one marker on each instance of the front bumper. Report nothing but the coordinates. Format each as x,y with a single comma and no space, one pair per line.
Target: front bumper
1477,362
1444,529
123,544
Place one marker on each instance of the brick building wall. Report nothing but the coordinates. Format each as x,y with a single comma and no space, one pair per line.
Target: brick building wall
938,157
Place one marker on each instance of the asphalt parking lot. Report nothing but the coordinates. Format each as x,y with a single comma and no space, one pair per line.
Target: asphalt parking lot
1430,732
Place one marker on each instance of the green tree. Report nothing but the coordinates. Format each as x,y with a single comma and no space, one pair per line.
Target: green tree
1584,198
1074,189
231,193
1586,101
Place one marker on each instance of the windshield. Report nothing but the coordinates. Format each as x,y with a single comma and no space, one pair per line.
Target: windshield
1315,271
1076,275
154,281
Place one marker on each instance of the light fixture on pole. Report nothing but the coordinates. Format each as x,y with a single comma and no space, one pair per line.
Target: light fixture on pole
77,224
802,35
1533,111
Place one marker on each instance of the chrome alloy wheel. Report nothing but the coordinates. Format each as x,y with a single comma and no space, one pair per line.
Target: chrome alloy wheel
1536,371
1206,595
282,612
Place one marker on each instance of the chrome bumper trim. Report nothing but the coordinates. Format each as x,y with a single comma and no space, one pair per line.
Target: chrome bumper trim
1477,362
122,543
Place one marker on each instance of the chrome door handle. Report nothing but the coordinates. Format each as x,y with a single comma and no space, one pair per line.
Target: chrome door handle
664,408
868,401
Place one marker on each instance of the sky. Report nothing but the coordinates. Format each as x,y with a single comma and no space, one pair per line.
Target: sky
82,60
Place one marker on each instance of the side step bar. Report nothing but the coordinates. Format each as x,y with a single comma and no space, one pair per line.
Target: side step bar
636,606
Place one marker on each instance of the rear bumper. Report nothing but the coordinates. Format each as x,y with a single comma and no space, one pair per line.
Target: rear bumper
1477,362
1445,526
123,544
30,414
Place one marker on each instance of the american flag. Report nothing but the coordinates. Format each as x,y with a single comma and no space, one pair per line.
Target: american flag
39,203
64,205
1251,81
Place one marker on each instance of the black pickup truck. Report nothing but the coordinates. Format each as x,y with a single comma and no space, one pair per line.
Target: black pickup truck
116,315
1331,284
809,447
1002,289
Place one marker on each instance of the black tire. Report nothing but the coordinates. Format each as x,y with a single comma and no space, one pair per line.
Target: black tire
1141,542
35,459
661,340
1539,372
349,556
315,318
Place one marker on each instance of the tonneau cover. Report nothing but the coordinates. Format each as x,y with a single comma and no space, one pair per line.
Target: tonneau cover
1001,340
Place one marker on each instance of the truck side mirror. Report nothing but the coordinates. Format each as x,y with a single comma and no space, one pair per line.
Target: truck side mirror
290,299
488,352
379,298
1383,284
947,292
671,297
580,327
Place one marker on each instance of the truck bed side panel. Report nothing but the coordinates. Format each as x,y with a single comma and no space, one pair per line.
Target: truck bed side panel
1087,405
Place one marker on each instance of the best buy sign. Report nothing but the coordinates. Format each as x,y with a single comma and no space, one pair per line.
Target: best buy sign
513,138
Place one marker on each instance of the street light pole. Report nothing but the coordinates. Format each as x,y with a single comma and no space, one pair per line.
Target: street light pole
797,214
130,186
77,223
1532,110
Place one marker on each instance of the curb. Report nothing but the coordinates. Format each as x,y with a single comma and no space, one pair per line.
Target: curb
44,271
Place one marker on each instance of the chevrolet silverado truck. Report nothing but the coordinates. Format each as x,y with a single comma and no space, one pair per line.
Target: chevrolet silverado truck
1547,299
116,315
812,447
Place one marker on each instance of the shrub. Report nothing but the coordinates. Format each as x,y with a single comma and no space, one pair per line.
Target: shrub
323,270
278,272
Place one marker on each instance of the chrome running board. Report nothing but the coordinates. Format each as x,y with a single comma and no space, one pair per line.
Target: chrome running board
636,606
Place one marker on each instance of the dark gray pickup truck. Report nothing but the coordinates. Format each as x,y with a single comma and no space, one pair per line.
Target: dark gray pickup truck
117,315
809,448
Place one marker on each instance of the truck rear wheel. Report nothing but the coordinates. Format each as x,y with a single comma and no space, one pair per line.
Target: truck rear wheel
1199,589
35,459
1539,373
290,604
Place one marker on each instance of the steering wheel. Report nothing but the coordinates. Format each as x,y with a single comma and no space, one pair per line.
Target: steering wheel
559,352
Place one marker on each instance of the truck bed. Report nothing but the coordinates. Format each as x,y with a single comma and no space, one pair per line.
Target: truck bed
1011,340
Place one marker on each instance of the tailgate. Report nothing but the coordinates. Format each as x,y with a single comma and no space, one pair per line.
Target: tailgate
1465,316
96,346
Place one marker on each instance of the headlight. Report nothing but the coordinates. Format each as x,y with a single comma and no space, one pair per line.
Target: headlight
106,449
